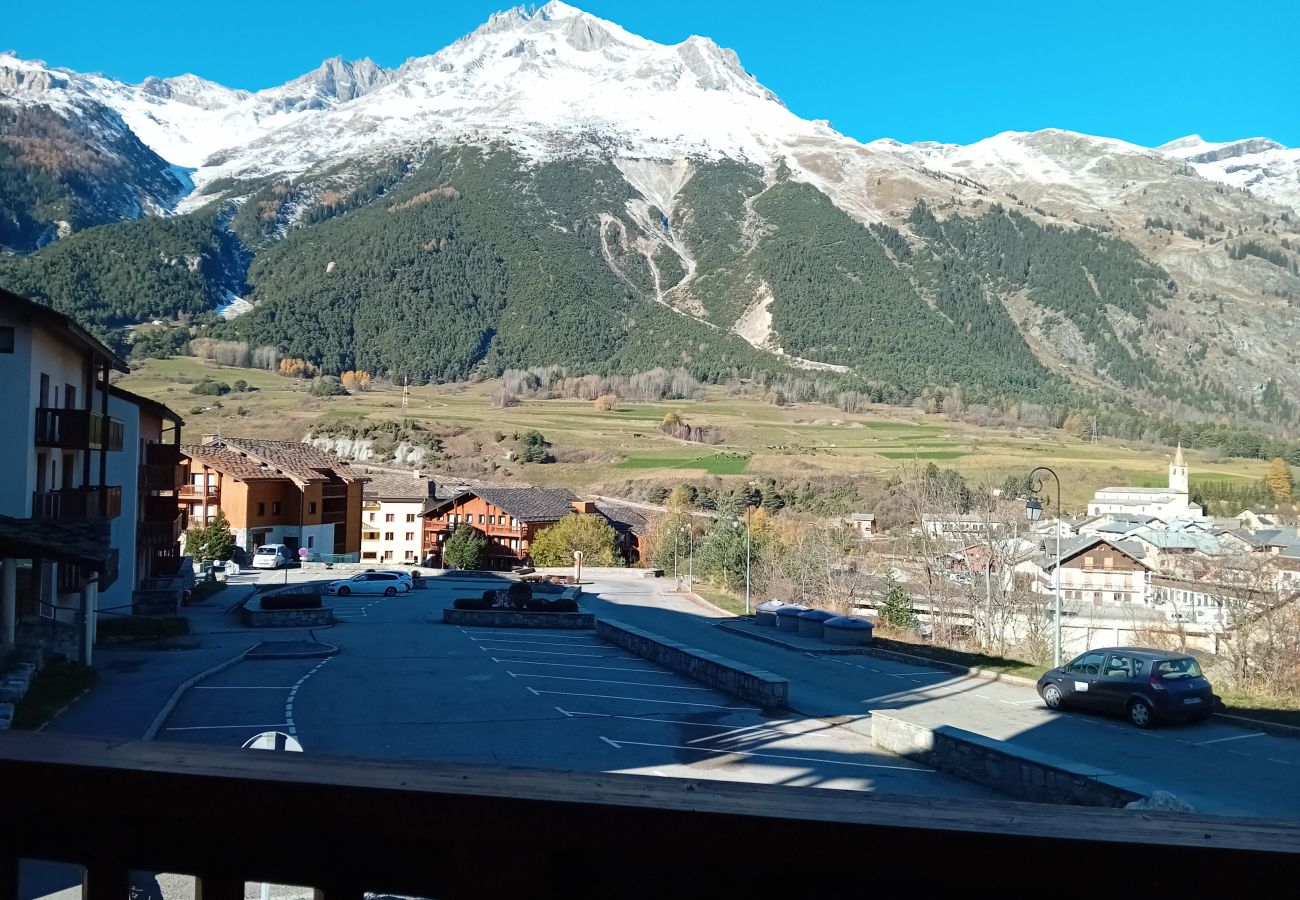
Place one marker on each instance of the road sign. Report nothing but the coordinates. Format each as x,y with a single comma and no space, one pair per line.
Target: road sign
273,740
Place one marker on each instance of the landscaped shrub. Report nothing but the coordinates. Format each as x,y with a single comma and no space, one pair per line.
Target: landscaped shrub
474,602
518,595
551,606
291,601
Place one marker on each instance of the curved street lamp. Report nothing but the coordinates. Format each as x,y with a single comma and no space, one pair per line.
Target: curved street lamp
1034,512
749,537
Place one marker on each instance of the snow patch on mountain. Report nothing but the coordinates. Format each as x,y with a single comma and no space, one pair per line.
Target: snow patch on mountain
1259,165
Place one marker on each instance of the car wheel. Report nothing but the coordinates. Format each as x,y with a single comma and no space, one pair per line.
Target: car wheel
390,591
1052,696
344,591
1140,713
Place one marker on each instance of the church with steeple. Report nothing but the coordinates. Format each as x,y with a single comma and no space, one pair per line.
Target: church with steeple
1168,504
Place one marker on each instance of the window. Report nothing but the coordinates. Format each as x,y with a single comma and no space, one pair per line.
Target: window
388,554
372,517
1088,664
1119,666
261,509
388,517
480,518
311,508
1119,598
6,339
492,520
1087,562
388,535
311,541
1108,563
275,507
410,517
410,535
369,554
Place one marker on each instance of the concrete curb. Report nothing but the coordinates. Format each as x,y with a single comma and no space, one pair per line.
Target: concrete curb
828,650
953,667
61,710
1273,728
326,651
151,733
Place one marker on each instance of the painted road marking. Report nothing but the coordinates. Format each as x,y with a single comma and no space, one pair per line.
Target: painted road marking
557,653
212,727
236,687
530,662
580,714
808,759
1007,702
910,674
671,687
644,700
293,692
541,643
515,633
1235,737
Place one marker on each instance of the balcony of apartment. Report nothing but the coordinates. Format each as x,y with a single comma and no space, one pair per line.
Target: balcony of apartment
161,523
100,502
417,829
71,577
78,429
162,469
197,493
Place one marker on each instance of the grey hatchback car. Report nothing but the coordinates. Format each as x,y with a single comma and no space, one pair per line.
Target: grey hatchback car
1146,685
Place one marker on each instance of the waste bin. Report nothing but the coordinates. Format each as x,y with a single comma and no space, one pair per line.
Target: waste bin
810,622
765,613
847,630
787,617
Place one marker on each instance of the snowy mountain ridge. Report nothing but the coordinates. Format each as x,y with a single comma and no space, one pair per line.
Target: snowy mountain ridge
555,81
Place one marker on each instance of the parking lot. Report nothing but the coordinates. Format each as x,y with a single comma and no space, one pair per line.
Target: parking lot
405,686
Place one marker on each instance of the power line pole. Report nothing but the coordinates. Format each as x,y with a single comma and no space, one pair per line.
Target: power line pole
406,392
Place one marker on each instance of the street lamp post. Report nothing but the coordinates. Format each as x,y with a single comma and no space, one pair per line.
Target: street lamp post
1033,511
690,559
749,540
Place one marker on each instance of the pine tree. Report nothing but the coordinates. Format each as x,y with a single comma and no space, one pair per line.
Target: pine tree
1279,479
213,541
465,549
896,606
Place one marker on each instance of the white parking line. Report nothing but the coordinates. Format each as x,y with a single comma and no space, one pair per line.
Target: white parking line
1007,702
558,653
531,662
515,633
236,687
542,643
581,714
213,727
671,687
808,759
644,700
1235,737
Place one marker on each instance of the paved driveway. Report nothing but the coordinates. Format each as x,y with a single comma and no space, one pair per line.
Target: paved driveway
407,687
1218,768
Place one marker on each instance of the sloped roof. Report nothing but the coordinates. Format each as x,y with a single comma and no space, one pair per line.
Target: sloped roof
1075,546
624,518
161,410
79,541
64,326
257,460
862,517
397,486
525,504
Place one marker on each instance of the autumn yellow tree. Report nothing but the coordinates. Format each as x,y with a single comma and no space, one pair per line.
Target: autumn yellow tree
607,402
292,367
1279,480
357,380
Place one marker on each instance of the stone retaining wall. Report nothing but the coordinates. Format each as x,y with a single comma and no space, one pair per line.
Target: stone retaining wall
512,618
758,686
1020,772
287,618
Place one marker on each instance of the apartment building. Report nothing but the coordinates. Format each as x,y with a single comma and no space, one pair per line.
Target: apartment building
391,527
510,517
1093,570
60,538
275,492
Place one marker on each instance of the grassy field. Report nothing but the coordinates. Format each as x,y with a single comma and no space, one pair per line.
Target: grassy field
594,447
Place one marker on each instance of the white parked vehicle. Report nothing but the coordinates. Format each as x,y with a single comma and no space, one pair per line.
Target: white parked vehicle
390,584
272,556
405,576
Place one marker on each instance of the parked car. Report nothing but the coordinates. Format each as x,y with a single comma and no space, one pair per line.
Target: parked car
273,556
405,576
390,584
1146,685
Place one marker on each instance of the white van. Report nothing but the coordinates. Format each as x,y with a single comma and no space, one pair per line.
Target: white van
272,556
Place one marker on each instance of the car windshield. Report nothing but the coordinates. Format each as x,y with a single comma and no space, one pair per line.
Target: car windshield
1177,668
265,551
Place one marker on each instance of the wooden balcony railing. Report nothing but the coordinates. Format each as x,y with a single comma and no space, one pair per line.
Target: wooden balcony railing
77,429
348,827
157,534
158,454
78,503
163,477
199,492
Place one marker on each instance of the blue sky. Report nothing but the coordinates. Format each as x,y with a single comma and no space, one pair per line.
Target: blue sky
1142,70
